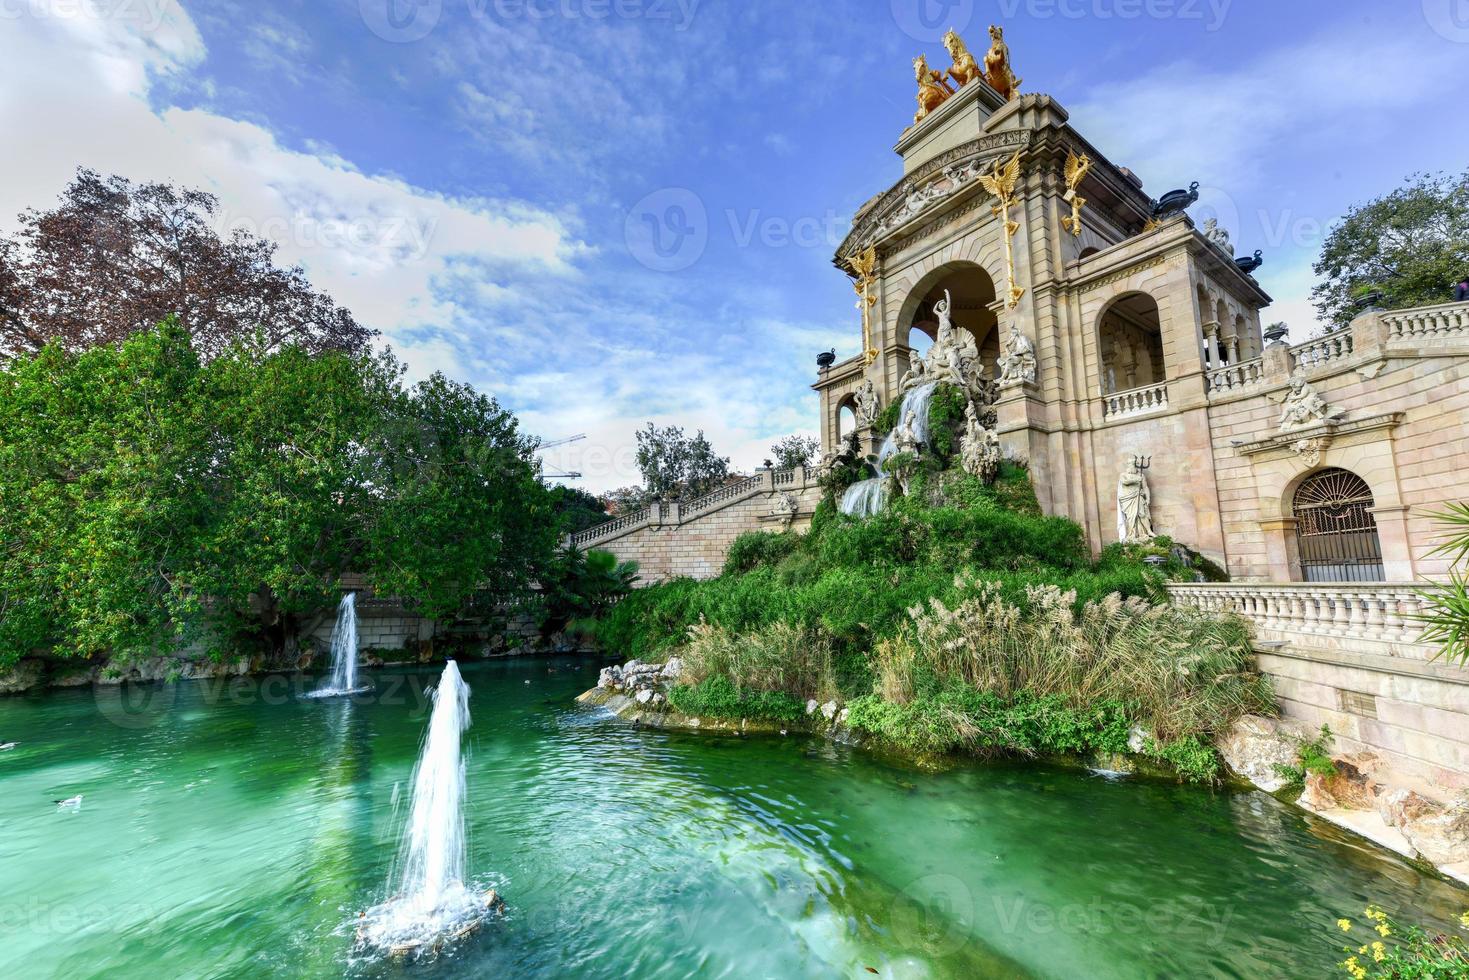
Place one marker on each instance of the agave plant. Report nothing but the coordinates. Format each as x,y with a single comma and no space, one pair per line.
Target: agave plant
1445,617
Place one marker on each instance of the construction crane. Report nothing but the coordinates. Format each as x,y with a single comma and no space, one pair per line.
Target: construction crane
562,442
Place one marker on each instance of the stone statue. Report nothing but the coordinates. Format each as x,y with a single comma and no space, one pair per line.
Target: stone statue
1218,237
1135,502
1017,363
1303,407
997,69
933,89
979,447
917,373
867,404
785,507
905,439
965,68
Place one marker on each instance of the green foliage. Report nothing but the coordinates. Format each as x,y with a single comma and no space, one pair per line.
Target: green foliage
673,464
946,420
958,718
754,549
582,585
1413,244
575,509
793,451
1178,563
1312,755
776,657
1445,617
144,494
887,419
1387,948
717,697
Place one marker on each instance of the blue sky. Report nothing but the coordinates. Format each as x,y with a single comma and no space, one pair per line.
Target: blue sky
475,178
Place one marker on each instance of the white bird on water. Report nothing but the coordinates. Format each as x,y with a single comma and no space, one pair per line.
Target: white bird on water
73,802
7,746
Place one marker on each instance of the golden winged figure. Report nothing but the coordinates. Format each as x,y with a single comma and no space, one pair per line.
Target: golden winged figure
864,264
1077,168
1001,184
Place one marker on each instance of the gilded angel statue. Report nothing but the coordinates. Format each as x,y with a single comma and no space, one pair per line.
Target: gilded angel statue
1077,167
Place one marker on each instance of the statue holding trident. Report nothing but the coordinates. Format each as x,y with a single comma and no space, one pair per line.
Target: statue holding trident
1135,502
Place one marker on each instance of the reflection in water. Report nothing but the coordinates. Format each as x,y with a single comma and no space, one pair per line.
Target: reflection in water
237,836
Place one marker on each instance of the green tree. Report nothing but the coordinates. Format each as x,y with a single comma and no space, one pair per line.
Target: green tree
1412,244
145,494
793,451
673,464
576,510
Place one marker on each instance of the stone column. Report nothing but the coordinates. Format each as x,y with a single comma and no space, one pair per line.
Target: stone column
1282,553
1392,535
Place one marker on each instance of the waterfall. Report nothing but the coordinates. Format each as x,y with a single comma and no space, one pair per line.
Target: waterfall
867,497
915,401
864,498
344,651
432,901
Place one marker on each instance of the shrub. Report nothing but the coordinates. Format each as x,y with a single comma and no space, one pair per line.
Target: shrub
756,548
717,697
946,420
778,657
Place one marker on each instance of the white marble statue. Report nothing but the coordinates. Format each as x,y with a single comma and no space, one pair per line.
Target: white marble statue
1017,363
979,447
1303,407
1134,502
867,404
917,373
1218,237
905,439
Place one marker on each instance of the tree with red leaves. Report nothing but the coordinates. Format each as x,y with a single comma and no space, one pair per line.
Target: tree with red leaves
116,258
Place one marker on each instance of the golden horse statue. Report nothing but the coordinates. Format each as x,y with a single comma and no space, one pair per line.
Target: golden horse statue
933,89
997,70
965,69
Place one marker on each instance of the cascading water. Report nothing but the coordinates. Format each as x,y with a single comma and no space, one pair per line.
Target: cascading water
868,497
344,652
432,902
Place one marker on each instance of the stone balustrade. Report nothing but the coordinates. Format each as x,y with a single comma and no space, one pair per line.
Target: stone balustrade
1135,401
1234,377
1320,350
1428,322
1367,617
662,513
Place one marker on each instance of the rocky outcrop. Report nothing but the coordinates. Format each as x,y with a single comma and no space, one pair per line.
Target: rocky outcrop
636,679
1438,833
25,675
1257,748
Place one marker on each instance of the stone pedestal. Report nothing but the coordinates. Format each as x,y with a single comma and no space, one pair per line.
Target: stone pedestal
1020,422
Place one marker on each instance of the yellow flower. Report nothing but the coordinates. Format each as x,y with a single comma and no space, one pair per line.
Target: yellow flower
1363,950
1345,925
1379,952
1464,920
1383,930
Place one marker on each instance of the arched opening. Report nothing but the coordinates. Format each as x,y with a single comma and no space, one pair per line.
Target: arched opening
971,291
1336,532
1087,253
1130,335
1226,334
1244,336
846,418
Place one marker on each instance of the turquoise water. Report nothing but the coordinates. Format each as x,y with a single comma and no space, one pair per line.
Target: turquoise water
230,830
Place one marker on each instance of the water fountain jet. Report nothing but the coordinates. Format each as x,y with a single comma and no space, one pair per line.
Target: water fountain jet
432,904
344,653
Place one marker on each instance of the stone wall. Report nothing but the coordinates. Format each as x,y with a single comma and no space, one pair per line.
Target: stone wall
690,539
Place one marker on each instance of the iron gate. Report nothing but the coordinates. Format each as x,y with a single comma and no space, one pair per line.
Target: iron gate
1335,529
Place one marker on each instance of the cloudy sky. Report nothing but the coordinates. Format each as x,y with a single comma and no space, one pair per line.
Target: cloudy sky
605,212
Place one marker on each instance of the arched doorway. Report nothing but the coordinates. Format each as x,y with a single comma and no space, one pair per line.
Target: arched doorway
846,418
972,292
1336,533
1130,335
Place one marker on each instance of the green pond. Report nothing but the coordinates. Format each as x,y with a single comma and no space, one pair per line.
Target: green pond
234,829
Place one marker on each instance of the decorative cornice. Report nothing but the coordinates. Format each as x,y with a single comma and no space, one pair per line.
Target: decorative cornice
1121,274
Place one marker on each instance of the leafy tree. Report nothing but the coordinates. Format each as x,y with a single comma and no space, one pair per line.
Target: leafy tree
677,465
1412,244
582,585
577,510
626,499
114,258
793,451
146,493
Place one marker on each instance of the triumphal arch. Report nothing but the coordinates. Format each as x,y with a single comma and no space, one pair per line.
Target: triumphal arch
1122,335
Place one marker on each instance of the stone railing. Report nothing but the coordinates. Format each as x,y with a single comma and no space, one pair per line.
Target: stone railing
1428,322
1318,351
1135,401
1368,617
677,512
1233,377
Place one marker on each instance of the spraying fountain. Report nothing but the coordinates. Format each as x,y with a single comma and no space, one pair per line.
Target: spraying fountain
432,903
344,653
